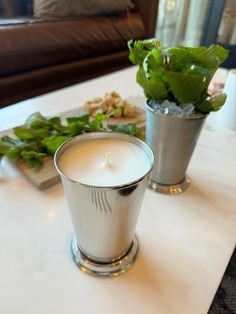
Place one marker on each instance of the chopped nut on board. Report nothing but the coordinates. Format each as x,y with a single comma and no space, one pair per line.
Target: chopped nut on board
108,103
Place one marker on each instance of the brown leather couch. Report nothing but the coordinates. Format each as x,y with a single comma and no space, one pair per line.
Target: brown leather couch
40,55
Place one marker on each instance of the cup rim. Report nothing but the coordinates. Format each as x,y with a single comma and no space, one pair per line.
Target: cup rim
166,116
98,135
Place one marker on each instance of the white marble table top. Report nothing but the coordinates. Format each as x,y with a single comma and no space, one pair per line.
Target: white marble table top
185,240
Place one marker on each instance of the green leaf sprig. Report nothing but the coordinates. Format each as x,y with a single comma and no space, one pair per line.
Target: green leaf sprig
179,74
40,136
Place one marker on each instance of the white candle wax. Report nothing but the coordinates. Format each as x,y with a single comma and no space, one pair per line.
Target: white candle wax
104,162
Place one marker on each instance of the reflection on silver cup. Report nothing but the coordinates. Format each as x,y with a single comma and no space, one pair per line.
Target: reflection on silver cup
105,215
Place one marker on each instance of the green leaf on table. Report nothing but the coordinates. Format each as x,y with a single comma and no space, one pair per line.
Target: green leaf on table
130,129
54,121
97,123
75,128
10,140
43,126
52,143
4,148
83,118
12,147
33,159
24,133
41,136
76,125
34,117
113,113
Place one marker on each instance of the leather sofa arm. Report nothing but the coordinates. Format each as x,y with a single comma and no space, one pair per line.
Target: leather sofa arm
148,12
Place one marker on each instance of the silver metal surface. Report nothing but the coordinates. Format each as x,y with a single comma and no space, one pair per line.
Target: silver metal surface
170,189
104,218
172,140
109,269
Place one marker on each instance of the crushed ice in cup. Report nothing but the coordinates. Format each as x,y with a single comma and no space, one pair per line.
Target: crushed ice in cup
170,108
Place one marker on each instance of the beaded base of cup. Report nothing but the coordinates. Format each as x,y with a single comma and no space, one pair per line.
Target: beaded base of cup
108,269
170,189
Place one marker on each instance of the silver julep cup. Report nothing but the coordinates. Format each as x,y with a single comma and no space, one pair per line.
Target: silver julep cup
172,140
104,218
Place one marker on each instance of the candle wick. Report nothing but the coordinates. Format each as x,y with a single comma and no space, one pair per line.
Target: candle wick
107,160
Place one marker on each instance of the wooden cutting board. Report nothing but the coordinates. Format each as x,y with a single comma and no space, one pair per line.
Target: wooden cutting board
47,175
42,178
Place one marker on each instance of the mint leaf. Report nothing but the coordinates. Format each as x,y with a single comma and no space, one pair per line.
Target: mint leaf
11,147
213,103
153,64
210,58
186,88
217,54
10,141
54,121
33,159
41,136
36,116
130,129
53,142
114,112
24,133
184,57
4,148
153,88
83,118
75,128
178,74
97,123
139,49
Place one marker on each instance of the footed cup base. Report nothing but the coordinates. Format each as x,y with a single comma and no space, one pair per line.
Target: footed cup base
170,189
108,269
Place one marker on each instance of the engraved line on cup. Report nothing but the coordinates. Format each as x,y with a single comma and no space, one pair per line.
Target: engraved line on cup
102,201
99,199
106,202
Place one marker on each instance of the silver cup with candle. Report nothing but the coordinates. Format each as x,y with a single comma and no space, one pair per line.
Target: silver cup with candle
104,176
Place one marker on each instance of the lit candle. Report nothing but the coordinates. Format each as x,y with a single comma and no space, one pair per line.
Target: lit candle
104,162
